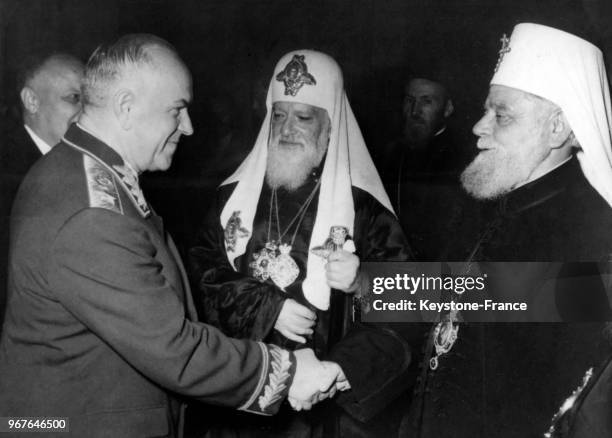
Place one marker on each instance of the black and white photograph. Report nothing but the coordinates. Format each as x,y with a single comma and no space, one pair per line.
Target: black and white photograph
306,219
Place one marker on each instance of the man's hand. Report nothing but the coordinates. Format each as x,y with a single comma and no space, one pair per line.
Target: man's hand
314,380
294,320
342,384
341,270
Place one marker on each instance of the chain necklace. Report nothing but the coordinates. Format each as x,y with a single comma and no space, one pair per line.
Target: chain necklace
446,332
274,260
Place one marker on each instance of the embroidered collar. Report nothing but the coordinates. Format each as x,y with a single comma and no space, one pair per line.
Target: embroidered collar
78,138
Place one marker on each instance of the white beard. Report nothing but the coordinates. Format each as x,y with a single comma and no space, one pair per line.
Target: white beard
495,172
290,169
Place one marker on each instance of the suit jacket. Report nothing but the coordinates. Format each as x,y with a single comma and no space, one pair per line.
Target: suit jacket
18,153
99,317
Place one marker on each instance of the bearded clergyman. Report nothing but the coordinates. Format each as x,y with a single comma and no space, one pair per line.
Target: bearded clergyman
279,256
545,163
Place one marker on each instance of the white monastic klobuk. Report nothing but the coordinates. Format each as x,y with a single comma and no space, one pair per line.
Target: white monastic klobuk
569,72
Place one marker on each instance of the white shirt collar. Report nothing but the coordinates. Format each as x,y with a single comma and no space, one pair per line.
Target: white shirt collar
42,146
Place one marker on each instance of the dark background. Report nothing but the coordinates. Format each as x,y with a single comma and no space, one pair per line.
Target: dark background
231,47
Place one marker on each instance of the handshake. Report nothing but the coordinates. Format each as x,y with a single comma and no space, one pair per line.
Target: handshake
314,380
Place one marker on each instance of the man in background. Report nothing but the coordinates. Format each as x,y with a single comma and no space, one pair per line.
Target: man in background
423,165
49,88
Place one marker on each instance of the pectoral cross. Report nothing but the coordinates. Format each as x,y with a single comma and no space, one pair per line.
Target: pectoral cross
505,48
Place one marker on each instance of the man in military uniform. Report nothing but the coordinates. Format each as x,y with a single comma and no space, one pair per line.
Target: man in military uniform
278,257
100,322
545,158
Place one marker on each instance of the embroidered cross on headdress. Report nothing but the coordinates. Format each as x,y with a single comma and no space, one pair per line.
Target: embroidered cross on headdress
505,48
295,75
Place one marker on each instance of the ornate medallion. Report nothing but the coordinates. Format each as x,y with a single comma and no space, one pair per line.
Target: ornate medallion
295,75
262,262
445,336
284,270
274,262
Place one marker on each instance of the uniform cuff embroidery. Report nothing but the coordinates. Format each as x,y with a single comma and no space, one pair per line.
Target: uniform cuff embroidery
278,368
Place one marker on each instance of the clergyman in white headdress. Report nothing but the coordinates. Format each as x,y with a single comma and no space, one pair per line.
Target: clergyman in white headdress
545,160
279,256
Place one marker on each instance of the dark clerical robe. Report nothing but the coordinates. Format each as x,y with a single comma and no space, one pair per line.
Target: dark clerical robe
508,379
376,360
587,413
433,210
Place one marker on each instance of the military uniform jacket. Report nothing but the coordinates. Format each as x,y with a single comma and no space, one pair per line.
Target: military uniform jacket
99,322
17,154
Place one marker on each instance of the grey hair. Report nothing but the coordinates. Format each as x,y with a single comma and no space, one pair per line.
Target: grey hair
109,60
33,63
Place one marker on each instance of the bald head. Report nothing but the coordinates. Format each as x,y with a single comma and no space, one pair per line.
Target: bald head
50,93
